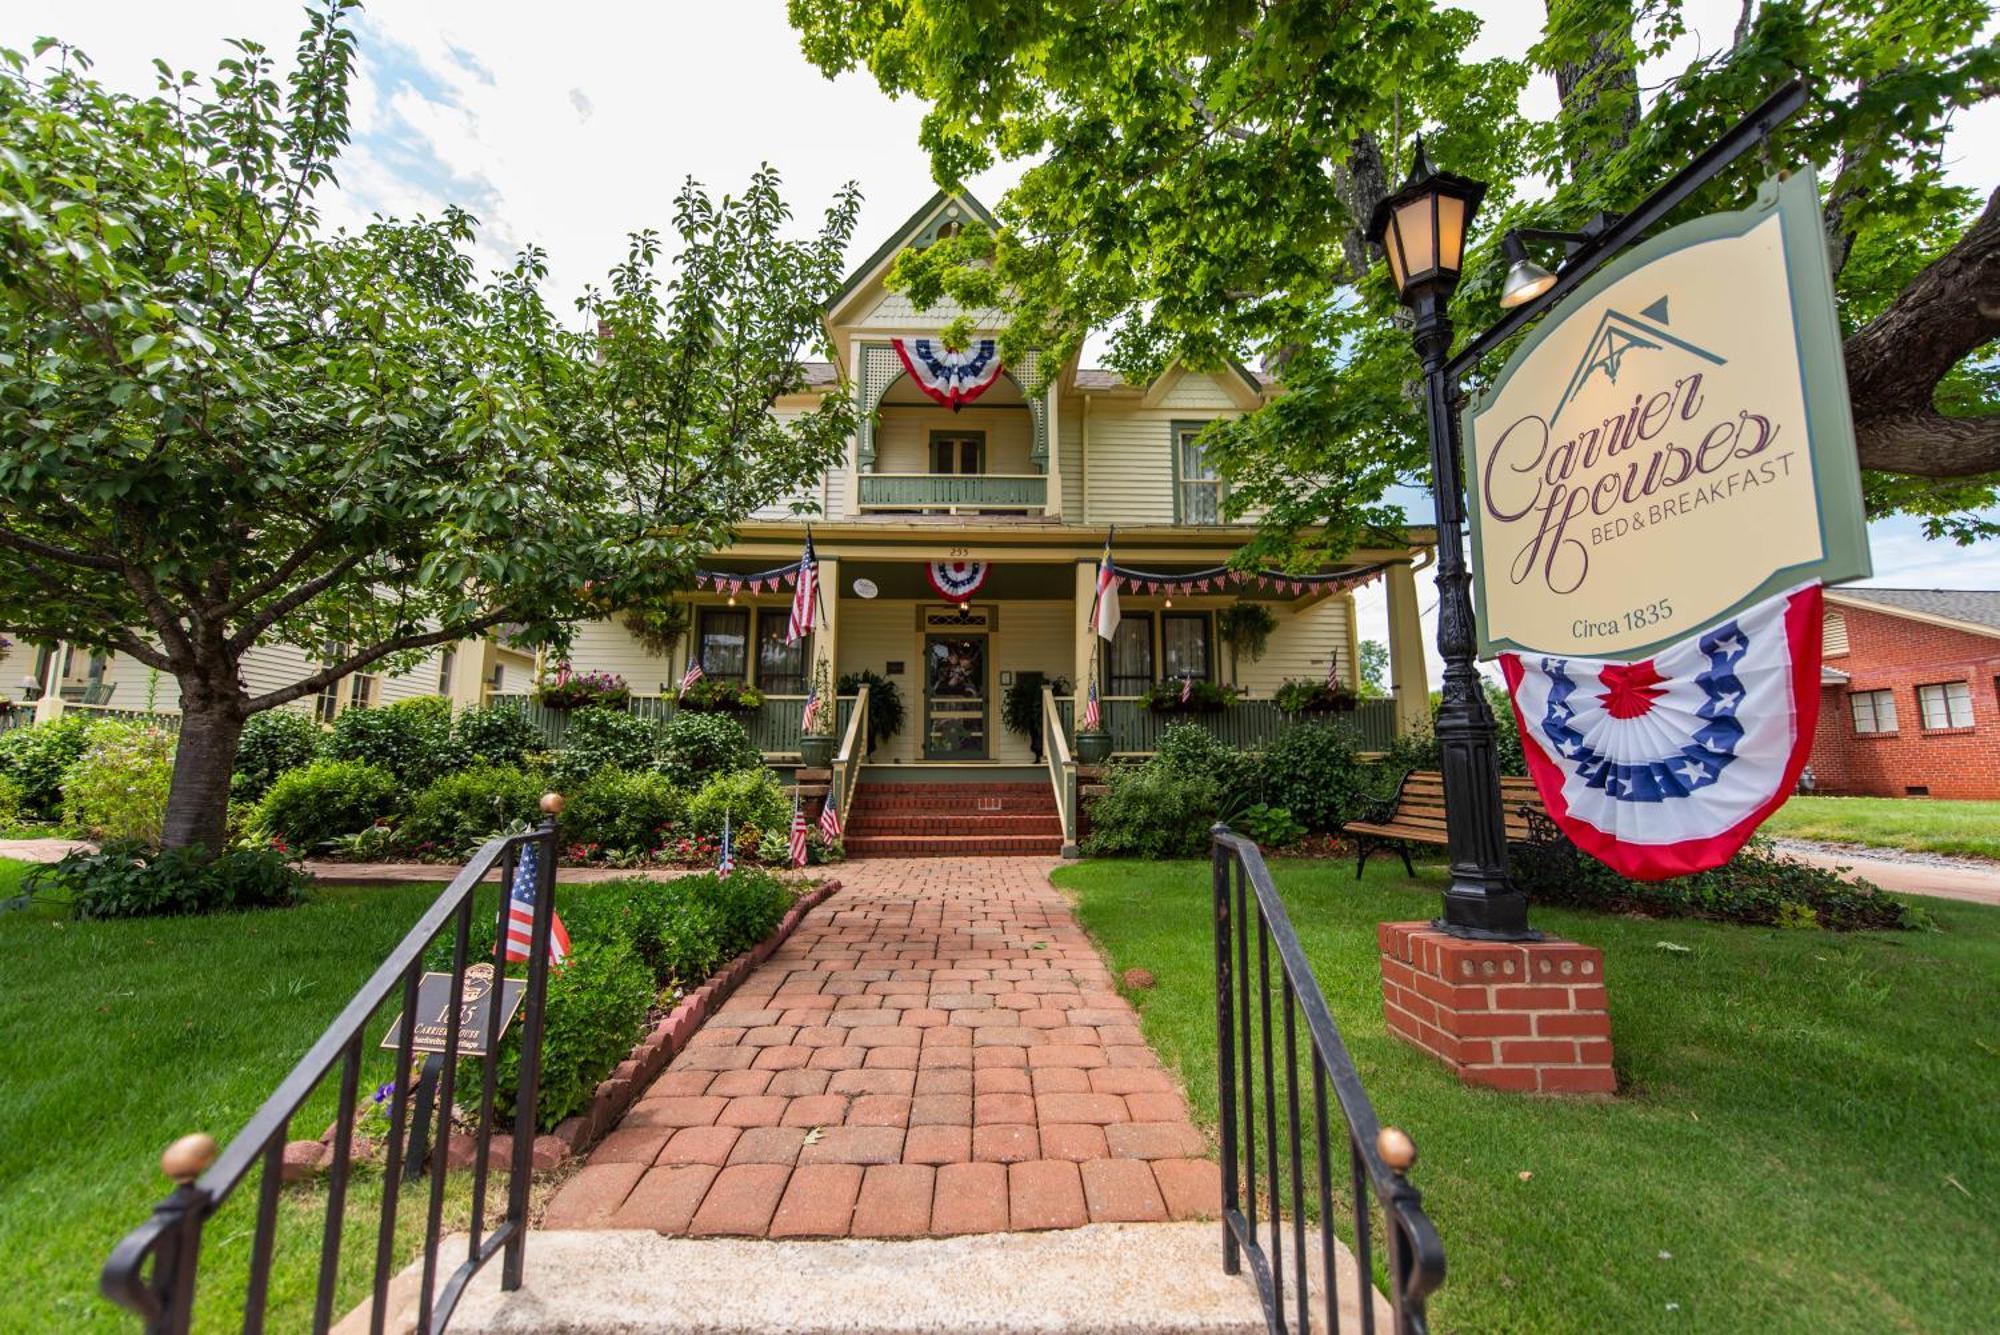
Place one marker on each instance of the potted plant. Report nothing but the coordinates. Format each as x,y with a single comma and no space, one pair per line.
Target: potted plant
816,733
720,695
885,704
1313,697
658,629
569,689
1093,745
1021,707
1181,695
1246,628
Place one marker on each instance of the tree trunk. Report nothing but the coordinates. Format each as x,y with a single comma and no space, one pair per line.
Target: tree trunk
198,802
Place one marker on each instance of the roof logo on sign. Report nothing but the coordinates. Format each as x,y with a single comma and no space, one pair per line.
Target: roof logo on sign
1618,334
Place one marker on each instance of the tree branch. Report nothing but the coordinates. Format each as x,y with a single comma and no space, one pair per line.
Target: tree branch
1926,443
21,542
256,625
284,695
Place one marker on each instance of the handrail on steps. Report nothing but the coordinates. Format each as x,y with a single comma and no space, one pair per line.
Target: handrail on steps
847,762
1062,769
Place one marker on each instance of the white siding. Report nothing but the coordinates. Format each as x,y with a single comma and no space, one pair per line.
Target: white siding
871,633
902,441
814,494
1199,392
1130,466
1301,644
606,645
1069,456
898,312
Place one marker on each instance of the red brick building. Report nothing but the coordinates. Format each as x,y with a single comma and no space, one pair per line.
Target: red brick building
1910,694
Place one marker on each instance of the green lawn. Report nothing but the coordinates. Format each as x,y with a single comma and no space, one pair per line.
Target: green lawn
1806,1137
1918,824
121,1036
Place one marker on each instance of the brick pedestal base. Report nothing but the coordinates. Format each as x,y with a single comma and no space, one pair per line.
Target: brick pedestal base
1527,1017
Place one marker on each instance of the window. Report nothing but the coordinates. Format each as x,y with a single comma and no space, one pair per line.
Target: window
1948,704
357,690
1128,659
781,667
958,452
447,661
722,649
1184,645
1874,711
1197,487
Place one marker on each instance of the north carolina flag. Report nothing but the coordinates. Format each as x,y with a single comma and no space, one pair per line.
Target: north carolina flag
1104,616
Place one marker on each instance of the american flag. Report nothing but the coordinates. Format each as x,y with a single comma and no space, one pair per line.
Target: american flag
1187,688
1092,714
829,818
798,829
1333,671
521,911
805,598
811,715
725,860
692,675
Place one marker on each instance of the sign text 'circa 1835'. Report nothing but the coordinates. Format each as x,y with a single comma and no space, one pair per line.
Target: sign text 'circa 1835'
1672,446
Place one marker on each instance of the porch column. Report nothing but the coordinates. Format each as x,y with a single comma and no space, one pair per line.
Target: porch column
467,687
1406,651
826,639
49,707
1086,638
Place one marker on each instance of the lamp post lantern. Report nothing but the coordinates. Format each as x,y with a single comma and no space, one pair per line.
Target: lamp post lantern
1422,228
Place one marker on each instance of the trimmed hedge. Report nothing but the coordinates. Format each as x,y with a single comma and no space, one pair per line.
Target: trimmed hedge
461,811
323,801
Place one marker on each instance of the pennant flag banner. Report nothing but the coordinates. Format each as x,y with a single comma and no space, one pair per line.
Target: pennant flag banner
772,580
957,580
1666,766
952,378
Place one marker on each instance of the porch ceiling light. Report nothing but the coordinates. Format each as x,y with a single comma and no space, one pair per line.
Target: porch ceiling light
1422,227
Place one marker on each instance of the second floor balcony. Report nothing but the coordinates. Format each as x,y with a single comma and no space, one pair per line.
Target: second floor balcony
922,457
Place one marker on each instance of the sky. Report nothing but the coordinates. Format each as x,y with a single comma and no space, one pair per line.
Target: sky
570,127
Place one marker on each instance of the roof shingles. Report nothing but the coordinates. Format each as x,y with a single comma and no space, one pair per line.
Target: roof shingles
1978,607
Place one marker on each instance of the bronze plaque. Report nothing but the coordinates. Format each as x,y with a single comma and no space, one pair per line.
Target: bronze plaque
477,1028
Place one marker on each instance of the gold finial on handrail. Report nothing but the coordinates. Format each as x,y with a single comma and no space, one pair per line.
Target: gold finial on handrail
552,804
1396,1148
188,1158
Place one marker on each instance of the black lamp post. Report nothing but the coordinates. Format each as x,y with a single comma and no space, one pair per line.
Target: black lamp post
1422,227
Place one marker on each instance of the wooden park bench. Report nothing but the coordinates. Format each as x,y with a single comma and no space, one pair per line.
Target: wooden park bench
1415,815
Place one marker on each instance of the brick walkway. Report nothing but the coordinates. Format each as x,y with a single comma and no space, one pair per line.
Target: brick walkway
938,1049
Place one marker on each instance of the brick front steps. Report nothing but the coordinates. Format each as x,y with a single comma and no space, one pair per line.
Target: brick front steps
953,820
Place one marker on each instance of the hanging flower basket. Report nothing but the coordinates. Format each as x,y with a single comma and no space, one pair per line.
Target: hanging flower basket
582,690
1314,697
1203,697
719,695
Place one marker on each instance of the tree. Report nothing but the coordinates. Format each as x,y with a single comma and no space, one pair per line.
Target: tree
221,427
1200,175
1374,682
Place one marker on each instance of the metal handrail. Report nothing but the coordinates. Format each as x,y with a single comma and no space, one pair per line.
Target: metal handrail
172,1238
1378,1157
853,747
1062,767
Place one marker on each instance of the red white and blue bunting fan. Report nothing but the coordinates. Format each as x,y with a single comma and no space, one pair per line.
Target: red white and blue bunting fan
1666,766
952,378
957,580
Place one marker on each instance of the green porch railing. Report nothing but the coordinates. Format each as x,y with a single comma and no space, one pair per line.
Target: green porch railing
773,727
991,491
1247,725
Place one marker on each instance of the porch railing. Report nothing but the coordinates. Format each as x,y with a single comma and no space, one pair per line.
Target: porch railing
153,1271
853,750
773,726
957,491
1062,767
1246,904
1248,725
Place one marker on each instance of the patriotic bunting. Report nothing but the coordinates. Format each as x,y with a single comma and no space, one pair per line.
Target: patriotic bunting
952,378
1666,767
957,580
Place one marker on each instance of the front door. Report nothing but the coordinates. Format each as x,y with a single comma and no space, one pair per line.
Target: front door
954,697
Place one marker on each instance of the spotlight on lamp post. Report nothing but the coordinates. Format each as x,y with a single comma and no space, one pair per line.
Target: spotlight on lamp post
1526,279
1422,229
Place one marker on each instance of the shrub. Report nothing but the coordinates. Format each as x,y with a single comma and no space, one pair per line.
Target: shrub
494,735
1271,827
117,789
753,799
272,742
624,809
1312,770
127,879
600,739
597,1007
1189,748
10,801
1755,887
35,757
411,739
324,800
695,746
460,811
1152,811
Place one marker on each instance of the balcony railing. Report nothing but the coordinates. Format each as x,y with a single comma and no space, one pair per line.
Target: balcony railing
954,491
773,727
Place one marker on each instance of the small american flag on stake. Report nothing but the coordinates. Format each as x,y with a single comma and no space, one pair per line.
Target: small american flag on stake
1092,714
829,818
811,714
692,675
1333,671
1187,688
798,829
725,860
521,911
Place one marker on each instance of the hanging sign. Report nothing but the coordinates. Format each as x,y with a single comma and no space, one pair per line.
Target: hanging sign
1671,449
957,580
953,378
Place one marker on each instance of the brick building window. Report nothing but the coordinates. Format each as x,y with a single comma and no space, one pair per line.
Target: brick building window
1874,711
1947,704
